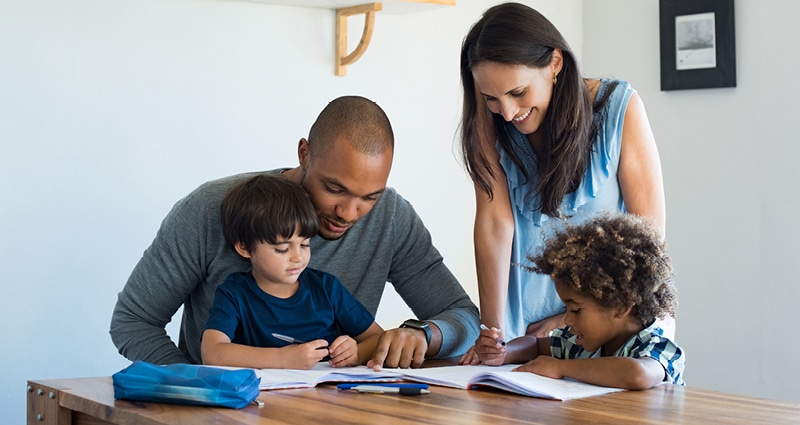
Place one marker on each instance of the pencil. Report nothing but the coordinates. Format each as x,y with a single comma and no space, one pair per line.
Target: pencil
499,340
288,339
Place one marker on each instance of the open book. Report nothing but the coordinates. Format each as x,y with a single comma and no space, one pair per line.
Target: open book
501,377
464,377
278,379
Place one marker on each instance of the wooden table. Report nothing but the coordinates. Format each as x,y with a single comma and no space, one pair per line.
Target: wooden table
91,401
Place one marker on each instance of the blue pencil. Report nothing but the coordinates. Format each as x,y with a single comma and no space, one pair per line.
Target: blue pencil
350,385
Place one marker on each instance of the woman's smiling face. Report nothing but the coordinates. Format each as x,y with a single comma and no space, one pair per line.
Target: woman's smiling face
520,94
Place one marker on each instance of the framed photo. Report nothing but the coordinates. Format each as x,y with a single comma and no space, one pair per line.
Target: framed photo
698,48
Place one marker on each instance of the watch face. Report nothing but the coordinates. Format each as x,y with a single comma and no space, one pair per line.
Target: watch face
420,325
414,323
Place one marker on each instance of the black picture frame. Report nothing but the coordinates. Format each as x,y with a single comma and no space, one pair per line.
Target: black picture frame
698,47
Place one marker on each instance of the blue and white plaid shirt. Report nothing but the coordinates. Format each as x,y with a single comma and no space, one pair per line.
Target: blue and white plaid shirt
650,342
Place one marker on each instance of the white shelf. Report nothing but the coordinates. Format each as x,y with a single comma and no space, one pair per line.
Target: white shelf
389,6
347,8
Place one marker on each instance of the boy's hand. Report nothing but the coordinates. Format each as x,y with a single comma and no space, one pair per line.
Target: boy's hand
304,356
344,352
543,365
489,349
470,357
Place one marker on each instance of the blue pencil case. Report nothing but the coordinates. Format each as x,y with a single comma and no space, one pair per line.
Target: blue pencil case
186,384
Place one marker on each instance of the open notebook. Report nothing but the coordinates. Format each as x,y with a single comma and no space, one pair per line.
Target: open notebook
464,377
501,377
277,379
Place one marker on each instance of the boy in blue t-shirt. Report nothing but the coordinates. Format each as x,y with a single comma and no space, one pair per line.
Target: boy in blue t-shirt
269,220
613,274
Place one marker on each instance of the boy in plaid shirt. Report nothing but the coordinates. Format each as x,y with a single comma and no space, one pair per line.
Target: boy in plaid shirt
615,278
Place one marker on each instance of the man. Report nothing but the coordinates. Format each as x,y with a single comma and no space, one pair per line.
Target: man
369,235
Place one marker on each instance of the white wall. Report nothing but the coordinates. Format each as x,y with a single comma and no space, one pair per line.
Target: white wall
111,110
729,169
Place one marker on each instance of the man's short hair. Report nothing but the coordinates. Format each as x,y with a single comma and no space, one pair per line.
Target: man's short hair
358,120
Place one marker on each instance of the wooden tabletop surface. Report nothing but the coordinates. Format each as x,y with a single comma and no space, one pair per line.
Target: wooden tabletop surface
92,401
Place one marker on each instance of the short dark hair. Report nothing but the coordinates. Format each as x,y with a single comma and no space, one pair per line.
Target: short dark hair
358,120
618,259
264,208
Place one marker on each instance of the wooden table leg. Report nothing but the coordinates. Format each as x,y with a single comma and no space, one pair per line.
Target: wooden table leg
43,406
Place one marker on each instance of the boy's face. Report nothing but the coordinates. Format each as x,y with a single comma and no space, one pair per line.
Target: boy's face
278,264
343,184
593,325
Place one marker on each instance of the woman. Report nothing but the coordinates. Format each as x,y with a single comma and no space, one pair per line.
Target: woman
543,144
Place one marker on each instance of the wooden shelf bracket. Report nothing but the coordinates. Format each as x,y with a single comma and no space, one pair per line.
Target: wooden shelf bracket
342,58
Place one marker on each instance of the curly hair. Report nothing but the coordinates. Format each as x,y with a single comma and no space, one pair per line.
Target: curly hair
618,259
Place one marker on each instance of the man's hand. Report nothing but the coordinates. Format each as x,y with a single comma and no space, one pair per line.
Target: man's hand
402,347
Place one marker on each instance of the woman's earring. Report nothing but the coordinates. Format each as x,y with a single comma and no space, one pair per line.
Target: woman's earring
555,79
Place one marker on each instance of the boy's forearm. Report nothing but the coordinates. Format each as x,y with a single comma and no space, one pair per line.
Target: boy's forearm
229,354
523,349
617,372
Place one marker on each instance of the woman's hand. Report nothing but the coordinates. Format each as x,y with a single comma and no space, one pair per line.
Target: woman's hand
543,327
490,348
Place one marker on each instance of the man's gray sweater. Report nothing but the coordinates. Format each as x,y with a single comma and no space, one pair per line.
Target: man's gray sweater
189,258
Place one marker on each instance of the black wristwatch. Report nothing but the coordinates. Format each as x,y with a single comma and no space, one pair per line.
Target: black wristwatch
419,324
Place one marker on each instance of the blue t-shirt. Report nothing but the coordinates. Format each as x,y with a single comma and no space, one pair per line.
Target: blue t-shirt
649,342
322,308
